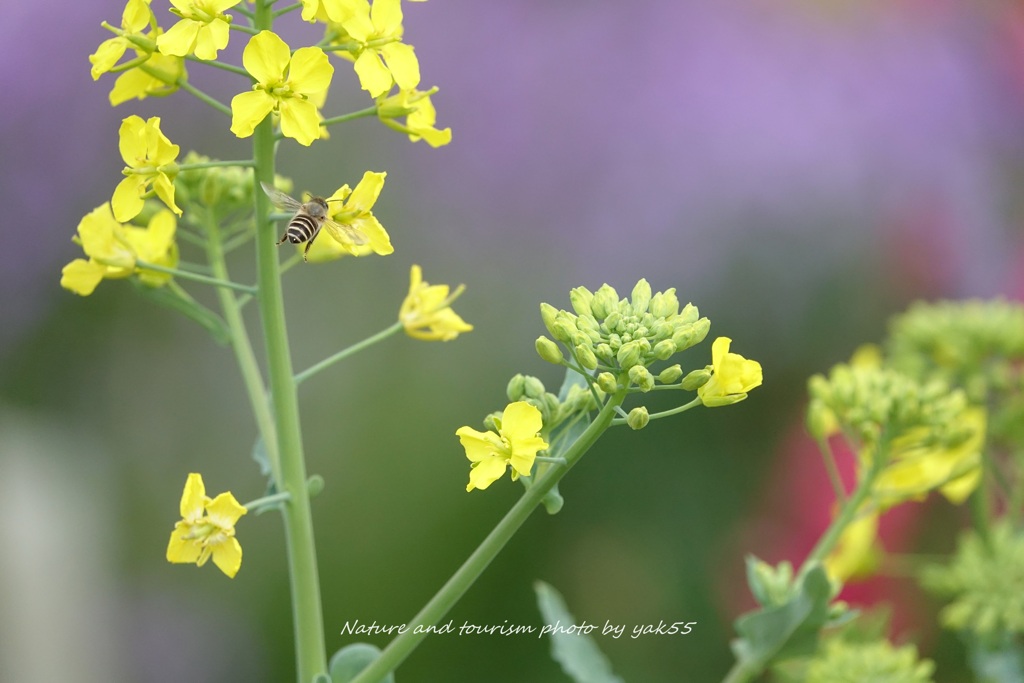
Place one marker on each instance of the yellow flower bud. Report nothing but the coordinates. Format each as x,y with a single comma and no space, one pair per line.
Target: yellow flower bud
641,297
516,388
664,349
585,355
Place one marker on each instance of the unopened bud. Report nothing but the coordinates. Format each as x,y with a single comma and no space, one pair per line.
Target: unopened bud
585,355
641,297
664,304
670,374
548,314
629,354
533,387
638,418
696,379
607,383
664,349
605,300
549,351
580,298
516,388
642,377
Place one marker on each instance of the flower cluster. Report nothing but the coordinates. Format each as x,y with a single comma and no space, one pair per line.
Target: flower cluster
114,250
986,583
911,437
849,661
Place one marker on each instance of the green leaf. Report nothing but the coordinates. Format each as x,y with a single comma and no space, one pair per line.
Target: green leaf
578,654
174,297
572,378
350,660
789,629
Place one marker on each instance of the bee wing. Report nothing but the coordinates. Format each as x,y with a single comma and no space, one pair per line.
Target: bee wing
280,199
354,236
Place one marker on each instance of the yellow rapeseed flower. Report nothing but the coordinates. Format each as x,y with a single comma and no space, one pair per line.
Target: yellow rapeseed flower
379,55
149,156
113,250
206,529
917,466
515,444
855,554
138,83
733,376
202,31
426,312
352,209
137,16
420,116
285,83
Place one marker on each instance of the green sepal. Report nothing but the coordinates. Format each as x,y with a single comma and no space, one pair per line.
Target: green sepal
350,660
578,654
175,298
788,629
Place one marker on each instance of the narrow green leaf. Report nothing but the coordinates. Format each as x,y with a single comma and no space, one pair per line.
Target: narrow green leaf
578,654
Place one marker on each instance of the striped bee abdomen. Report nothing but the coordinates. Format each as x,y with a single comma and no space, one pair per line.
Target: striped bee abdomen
302,228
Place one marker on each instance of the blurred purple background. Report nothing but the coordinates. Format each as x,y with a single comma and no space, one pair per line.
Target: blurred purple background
800,170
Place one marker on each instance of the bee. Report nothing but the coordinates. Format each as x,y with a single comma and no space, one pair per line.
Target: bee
308,220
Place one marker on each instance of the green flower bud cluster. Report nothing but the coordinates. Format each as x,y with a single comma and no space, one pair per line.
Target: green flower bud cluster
848,661
552,410
977,345
986,584
771,585
868,403
623,337
224,188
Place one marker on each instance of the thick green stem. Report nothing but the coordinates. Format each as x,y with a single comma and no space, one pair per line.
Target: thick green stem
310,650
475,564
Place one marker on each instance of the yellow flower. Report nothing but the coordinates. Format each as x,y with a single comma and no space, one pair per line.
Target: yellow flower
917,466
420,116
733,376
379,55
426,312
350,209
150,157
206,529
203,29
855,554
285,83
137,16
515,444
113,250
323,10
137,84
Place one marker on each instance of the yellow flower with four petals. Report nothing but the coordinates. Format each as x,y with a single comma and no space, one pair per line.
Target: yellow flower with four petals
426,312
516,445
206,529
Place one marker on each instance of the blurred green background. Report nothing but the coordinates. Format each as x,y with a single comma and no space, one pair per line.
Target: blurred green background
799,171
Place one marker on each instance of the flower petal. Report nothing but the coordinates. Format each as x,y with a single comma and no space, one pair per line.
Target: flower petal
373,75
228,557
193,498
365,195
81,276
310,71
485,473
248,109
224,510
266,58
180,39
299,120
180,549
521,421
402,63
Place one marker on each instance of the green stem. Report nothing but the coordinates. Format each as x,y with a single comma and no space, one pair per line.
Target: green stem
667,413
248,163
399,648
310,649
195,277
286,10
187,87
224,66
345,353
244,354
244,29
267,501
362,113
830,467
